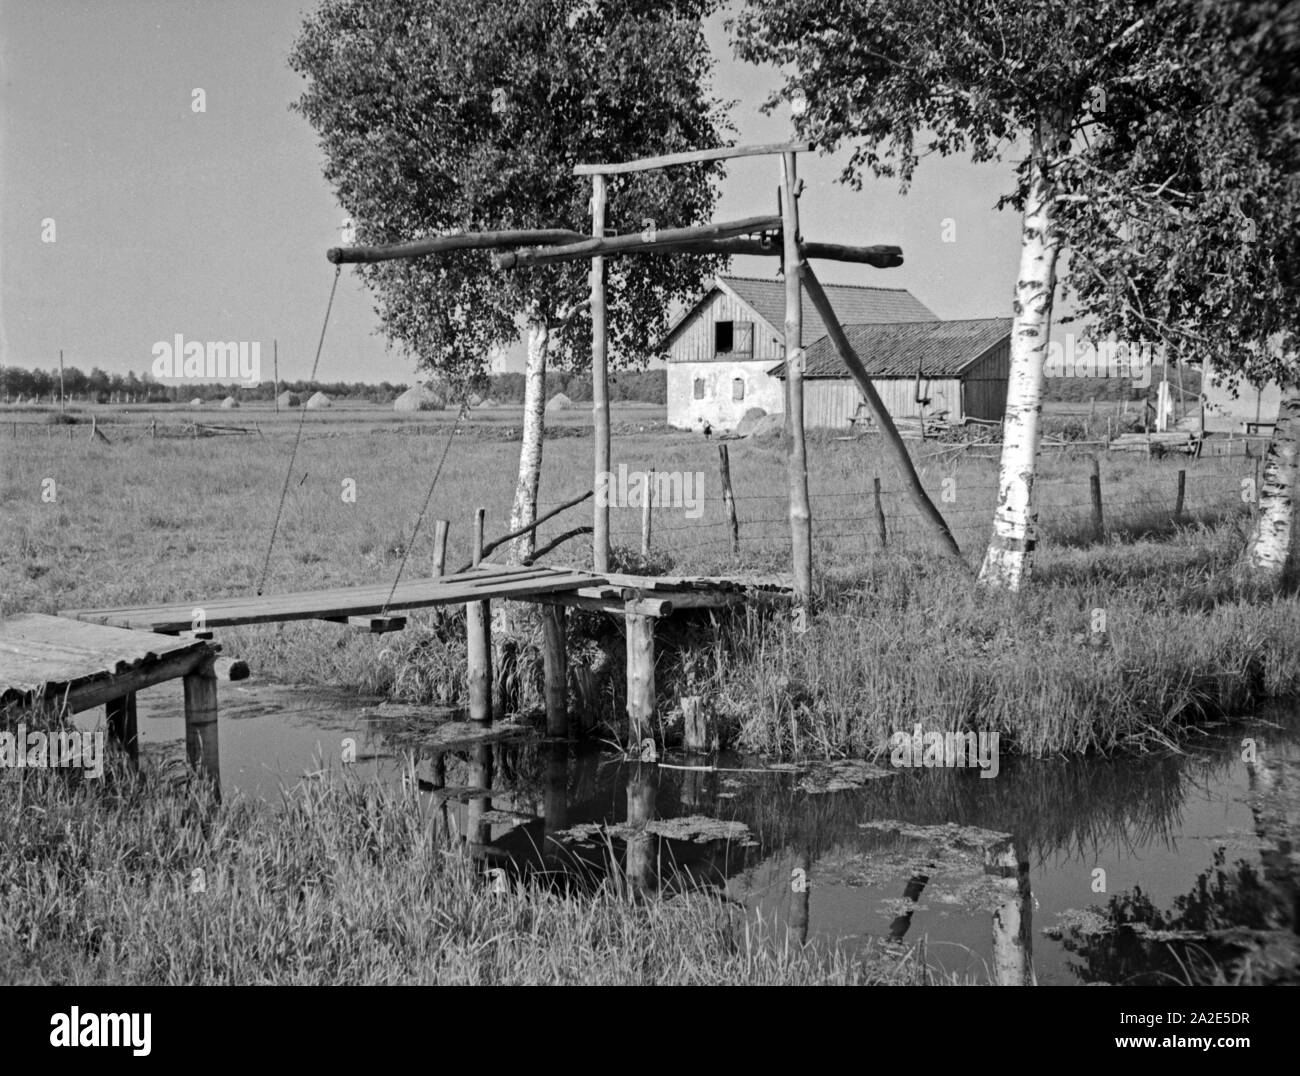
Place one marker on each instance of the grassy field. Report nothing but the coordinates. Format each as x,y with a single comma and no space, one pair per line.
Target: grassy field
899,638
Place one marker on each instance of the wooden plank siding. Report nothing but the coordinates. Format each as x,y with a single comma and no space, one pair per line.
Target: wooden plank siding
695,342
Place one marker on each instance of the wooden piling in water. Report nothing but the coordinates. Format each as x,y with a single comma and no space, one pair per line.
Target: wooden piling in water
729,499
478,641
555,665
1013,953
640,677
201,721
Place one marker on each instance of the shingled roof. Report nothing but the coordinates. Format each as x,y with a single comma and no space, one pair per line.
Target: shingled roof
939,348
852,303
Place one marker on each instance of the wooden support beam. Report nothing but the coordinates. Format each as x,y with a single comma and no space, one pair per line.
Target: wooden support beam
122,726
893,442
559,541
443,244
555,663
478,640
640,677
600,600
201,722
638,241
796,449
693,156
103,690
769,244
371,625
599,379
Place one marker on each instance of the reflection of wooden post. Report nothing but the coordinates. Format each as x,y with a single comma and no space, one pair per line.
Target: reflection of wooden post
647,507
729,499
555,809
478,637
640,676
800,887
122,725
555,665
639,864
201,721
797,452
880,512
911,892
599,384
440,547
480,776
1013,954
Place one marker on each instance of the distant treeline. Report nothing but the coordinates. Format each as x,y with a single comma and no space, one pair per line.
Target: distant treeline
648,386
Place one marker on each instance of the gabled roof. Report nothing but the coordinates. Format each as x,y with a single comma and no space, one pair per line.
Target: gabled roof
937,348
853,303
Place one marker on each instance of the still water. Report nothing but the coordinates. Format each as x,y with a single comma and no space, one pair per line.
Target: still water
1155,823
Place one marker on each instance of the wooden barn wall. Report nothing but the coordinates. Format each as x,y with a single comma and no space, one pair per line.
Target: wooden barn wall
985,393
829,403
695,341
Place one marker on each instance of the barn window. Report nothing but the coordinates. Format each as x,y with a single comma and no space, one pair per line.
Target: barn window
724,337
699,388
738,388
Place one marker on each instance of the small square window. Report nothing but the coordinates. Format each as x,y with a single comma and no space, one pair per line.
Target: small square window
699,388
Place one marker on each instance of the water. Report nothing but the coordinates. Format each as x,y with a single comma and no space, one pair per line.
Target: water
1154,822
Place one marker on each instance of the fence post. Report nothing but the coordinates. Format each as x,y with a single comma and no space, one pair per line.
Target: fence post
1182,489
880,512
729,499
647,506
1094,481
440,547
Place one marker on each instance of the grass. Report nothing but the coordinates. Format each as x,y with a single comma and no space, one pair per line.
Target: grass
142,882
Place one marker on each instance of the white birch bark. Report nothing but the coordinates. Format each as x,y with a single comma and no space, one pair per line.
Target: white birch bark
1270,540
524,508
1009,557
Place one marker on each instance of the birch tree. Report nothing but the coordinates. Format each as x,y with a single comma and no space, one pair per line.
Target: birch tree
995,80
1181,216
435,117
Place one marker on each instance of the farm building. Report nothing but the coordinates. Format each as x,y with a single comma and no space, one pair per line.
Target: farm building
722,349
944,369
1239,408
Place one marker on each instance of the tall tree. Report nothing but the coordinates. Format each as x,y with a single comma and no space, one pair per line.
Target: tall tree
994,79
436,117
1181,213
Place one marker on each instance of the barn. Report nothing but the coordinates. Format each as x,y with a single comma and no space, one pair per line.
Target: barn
721,350
1236,407
951,370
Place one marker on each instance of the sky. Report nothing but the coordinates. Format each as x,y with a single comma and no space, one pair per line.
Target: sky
214,224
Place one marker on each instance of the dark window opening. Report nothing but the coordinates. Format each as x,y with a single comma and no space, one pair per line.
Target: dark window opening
699,388
724,337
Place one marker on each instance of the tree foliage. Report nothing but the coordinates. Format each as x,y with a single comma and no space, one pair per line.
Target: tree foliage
436,117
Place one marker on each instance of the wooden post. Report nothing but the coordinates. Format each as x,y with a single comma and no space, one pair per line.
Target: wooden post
599,385
647,507
275,349
63,399
201,721
153,428
1013,953
640,678
122,725
555,667
880,512
1182,488
1254,504
797,452
478,637
440,547
697,730
1094,482
729,499
799,895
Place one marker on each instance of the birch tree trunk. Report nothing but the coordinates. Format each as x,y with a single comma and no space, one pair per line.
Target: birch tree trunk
1009,557
524,509
1270,541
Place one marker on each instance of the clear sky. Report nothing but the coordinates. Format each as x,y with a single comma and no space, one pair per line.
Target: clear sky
214,224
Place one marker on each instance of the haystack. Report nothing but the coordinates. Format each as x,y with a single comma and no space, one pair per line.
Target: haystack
768,426
746,425
489,402
420,398
196,402
229,403
475,400
318,401
288,399
558,402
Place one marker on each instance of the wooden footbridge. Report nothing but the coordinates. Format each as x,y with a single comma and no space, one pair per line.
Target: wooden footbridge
88,657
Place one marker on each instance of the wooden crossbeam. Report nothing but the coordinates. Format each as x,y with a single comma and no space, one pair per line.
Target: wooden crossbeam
638,241
694,156
371,625
443,244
